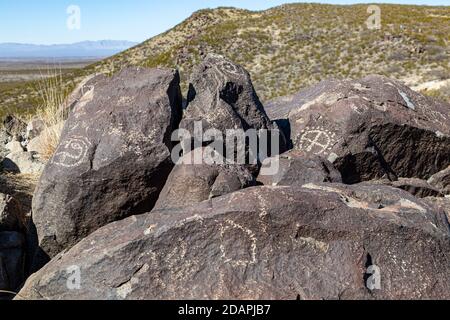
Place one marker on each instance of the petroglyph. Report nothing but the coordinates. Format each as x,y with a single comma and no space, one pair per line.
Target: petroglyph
230,69
71,152
316,140
408,102
229,255
313,243
84,100
125,101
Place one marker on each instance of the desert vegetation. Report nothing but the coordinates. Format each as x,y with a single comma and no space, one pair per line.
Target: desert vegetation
285,48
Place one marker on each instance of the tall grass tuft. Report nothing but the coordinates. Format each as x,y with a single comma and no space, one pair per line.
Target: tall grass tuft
51,112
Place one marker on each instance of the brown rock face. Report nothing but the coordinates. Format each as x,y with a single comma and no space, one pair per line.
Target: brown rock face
222,97
440,203
320,241
191,183
113,157
370,129
441,180
296,169
416,187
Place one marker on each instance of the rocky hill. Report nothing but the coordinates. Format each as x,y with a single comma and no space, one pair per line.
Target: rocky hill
290,47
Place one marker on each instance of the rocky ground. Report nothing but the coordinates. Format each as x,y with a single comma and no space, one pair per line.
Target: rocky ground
359,207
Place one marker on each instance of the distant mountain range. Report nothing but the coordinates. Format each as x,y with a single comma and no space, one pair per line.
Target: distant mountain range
85,49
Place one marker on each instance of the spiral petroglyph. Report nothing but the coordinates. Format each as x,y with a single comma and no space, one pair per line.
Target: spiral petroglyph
72,152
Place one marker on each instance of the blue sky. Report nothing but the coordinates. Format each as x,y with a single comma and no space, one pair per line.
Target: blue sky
45,21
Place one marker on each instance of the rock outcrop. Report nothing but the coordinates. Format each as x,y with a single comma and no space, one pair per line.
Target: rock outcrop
191,183
371,128
295,168
113,157
417,187
221,97
356,210
320,241
441,181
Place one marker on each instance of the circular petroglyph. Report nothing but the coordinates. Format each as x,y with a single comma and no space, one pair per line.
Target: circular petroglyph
316,140
230,69
71,152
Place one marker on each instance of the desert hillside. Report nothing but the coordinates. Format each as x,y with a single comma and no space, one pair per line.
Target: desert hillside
290,47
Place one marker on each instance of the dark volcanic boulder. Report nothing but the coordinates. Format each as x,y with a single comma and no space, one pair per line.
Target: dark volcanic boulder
12,218
322,241
113,157
417,187
441,180
222,97
191,183
440,204
370,129
12,255
294,168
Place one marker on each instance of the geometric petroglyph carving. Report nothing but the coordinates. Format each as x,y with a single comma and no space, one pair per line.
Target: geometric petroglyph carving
230,69
316,140
241,252
72,152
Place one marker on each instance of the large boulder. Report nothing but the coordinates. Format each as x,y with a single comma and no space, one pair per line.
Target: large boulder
371,128
441,180
222,97
191,182
113,158
320,241
294,168
23,162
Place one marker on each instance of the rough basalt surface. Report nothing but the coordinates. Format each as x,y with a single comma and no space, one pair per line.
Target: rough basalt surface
371,128
113,157
314,242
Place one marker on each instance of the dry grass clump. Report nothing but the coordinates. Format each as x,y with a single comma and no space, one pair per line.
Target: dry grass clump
51,112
